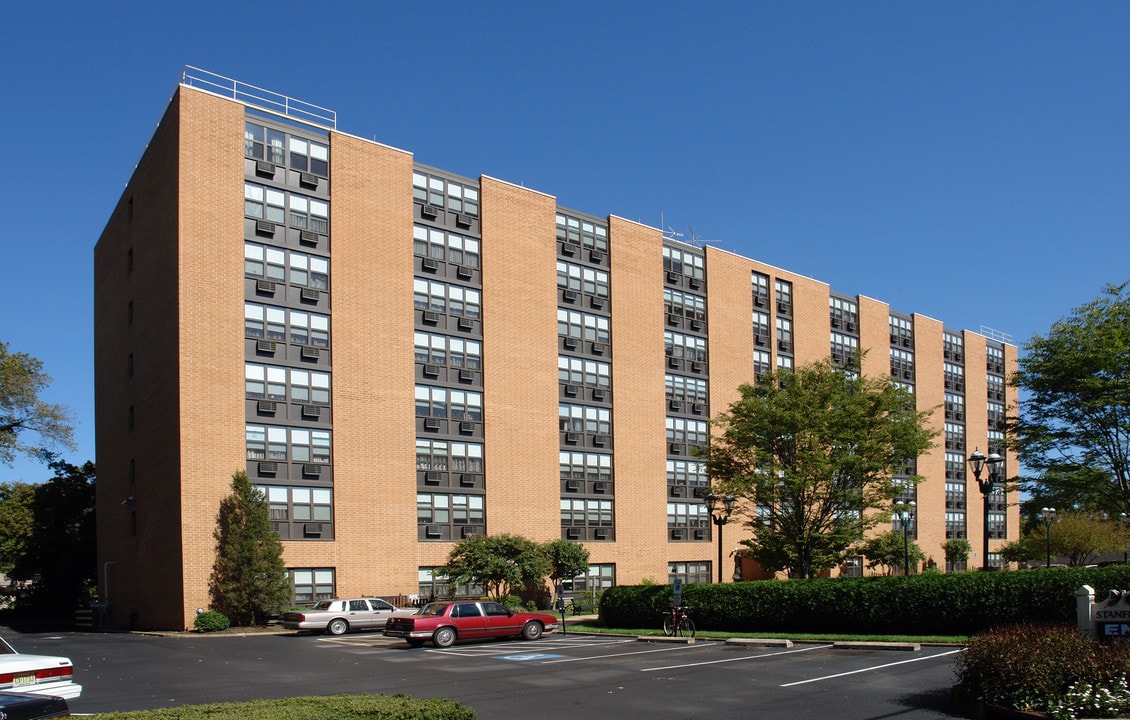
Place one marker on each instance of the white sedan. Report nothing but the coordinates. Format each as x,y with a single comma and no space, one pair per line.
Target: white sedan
37,674
337,616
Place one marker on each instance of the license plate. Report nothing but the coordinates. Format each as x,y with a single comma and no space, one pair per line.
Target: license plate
21,680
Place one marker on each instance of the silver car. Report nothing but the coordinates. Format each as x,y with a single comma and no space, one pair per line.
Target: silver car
339,616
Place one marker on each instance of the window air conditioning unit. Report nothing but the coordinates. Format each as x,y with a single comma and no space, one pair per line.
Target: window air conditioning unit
265,286
265,226
308,237
308,179
262,167
311,353
311,294
265,346
268,468
463,220
429,211
312,469
311,411
267,406
466,427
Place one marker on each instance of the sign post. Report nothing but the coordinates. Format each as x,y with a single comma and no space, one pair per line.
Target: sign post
561,605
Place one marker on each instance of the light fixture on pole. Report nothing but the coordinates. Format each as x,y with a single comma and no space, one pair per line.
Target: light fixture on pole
1126,522
1048,516
977,461
905,514
720,509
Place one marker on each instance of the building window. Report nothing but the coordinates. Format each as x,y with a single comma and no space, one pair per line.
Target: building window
434,349
953,347
444,509
844,314
585,233
688,572
442,402
585,419
688,473
577,278
299,504
266,322
434,586
444,455
683,262
305,213
762,364
955,407
685,389
265,143
590,467
955,525
996,415
579,371
995,359
955,495
760,286
269,382
308,585
680,304
955,437
688,347
761,331
784,362
585,513
599,577
270,442
686,431
996,445
445,298
902,364
953,376
434,190
845,349
995,388
440,244
784,293
784,334
902,332
687,515
955,467
584,326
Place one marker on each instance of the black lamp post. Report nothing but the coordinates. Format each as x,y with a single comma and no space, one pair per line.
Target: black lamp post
1048,516
720,510
906,515
1125,521
977,461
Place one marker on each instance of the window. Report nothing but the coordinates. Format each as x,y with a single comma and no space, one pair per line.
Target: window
762,364
434,349
845,349
685,389
761,330
441,192
995,387
444,402
585,233
585,419
435,586
953,376
955,437
578,278
308,156
844,314
580,371
955,495
688,347
593,328
760,285
265,143
784,334
688,572
784,293
955,525
268,382
440,244
600,576
586,512
902,332
995,359
784,362
955,467
996,414
687,472
267,203
299,504
681,304
996,445
683,262
686,431
592,467
310,584
952,347
444,509
269,442
902,364
444,455
266,322
445,298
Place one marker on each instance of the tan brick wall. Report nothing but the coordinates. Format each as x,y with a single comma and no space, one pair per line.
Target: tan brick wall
639,408
520,361
371,335
929,391
976,438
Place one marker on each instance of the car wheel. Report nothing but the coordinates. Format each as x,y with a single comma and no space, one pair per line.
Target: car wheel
532,630
337,627
444,637
414,642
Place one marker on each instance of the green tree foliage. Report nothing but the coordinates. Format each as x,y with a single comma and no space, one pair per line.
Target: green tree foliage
957,550
1074,431
249,578
47,539
21,411
567,559
1077,538
501,564
889,551
812,452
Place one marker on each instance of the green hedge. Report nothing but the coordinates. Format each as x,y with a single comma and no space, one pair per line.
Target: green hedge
926,604
339,707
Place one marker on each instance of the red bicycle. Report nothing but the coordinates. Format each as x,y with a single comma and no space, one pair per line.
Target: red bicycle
677,622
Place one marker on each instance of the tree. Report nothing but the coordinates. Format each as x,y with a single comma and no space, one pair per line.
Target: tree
567,559
890,550
1074,431
812,452
249,578
501,564
21,411
957,551
1078,537
47,539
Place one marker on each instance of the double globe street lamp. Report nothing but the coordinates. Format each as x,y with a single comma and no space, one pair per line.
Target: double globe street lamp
1048,516
977,462
720,509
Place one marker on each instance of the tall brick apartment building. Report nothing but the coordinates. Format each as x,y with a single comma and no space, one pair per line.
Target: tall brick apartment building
402,357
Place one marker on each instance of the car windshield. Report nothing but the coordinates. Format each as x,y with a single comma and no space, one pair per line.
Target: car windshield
434,609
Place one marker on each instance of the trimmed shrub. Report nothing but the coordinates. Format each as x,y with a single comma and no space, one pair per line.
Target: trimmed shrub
211,621
926,604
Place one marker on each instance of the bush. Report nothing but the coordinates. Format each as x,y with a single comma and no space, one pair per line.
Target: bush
211,621
339,707
926,604
1037,668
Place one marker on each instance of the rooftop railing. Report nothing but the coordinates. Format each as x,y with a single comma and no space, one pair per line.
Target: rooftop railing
258,97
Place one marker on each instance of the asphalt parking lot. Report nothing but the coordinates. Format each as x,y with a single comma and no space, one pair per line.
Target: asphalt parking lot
557,677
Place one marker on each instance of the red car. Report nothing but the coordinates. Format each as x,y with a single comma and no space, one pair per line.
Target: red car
445,622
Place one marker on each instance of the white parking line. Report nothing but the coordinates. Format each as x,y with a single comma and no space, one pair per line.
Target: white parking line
869,669
675,648
744,658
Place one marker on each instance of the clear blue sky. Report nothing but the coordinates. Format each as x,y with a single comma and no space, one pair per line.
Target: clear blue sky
965,160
